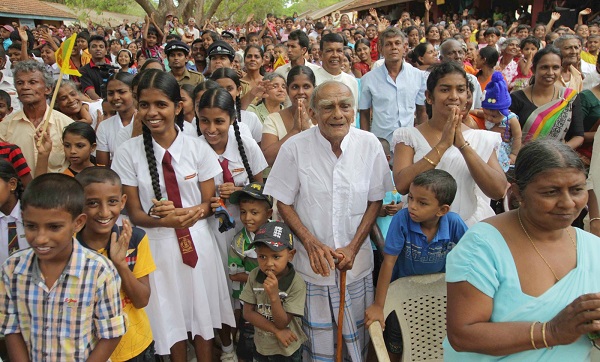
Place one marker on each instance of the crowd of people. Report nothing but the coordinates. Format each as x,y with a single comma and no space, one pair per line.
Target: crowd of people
201,182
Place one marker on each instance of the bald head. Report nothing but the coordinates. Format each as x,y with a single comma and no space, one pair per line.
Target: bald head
329,87
452,50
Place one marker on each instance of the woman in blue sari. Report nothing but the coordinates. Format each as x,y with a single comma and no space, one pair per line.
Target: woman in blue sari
525,285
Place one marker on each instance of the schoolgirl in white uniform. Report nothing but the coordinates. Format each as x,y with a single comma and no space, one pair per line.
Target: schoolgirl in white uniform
241,160
120,95
185,298
12,235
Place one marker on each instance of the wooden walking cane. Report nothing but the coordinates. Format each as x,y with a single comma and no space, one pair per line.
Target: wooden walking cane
340,338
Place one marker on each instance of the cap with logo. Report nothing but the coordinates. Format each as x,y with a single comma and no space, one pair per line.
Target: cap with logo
254,190
177,45
276,235
221,48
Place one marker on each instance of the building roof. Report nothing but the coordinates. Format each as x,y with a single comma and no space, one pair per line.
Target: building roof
33,9
317,14
358,5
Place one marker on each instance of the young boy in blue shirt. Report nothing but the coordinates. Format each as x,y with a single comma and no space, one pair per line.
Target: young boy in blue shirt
418,240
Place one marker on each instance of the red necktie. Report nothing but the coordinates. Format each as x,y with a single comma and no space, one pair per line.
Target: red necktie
184,238
227,177
13,241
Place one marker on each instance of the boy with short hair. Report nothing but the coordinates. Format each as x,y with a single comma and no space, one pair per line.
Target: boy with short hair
281,50
419,238
127,247
274,296
60,301
255,210
5,105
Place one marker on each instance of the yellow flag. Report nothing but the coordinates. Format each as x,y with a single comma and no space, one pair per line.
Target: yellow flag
279,62
63,56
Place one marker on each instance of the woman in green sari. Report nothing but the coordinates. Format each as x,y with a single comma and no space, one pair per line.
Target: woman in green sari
546,109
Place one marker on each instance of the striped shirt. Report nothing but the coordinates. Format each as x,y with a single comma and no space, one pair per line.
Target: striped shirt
65,322
12,153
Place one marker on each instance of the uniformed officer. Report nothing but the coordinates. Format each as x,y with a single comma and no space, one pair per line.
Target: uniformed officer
177,54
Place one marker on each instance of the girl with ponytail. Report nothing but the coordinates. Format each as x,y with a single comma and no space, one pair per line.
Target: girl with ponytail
228,79
11,189
168,194
241,160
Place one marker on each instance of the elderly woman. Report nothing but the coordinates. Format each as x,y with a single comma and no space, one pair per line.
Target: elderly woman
523,285
443,142
546,109
509,50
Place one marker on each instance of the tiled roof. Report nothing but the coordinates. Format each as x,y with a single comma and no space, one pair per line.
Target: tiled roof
33,8
366,4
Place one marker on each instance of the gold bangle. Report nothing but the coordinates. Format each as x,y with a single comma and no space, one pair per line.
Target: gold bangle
464,145
430,161
531,334
438,151
594,219
544,335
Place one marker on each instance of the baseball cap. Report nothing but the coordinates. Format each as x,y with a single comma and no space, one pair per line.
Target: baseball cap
276,235
254,190
8,27
177,45
221,47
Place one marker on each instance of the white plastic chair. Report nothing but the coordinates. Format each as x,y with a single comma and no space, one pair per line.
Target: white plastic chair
420,304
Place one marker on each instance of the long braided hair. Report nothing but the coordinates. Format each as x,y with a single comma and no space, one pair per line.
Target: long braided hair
166,83
220,98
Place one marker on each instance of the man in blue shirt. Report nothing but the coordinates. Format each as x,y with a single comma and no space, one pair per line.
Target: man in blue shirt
393,92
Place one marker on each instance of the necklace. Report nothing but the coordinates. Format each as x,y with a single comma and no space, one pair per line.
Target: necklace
553,94
439,138
536,249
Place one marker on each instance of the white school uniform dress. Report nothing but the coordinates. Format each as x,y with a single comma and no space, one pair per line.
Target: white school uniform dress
14,216
107,132
257,163
251,120
183,298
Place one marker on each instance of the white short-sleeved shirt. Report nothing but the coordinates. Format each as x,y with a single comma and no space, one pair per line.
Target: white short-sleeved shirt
284,70
191,162
256,159
393,101
330,194
322,76
254,124
107,132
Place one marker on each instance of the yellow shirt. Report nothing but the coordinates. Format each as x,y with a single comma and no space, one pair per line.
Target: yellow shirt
18,129
139,335
588,58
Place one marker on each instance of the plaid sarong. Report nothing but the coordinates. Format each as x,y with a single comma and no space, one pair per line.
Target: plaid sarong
320,320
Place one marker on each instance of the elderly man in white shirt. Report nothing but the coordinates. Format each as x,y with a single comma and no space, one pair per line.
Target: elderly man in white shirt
393,92
332,51
329,182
